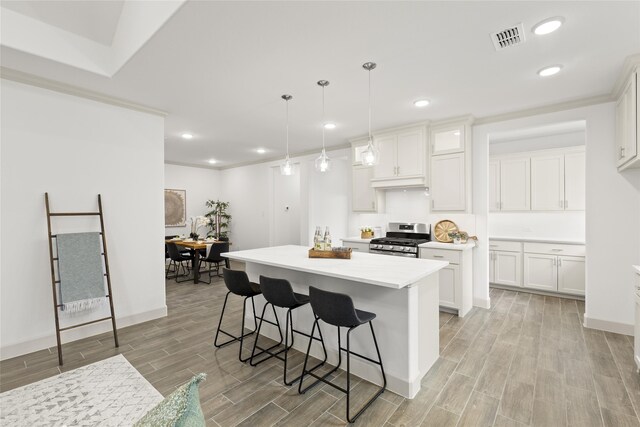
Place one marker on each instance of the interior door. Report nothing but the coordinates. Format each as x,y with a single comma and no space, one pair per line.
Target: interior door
574,181
494,185
410,151
508,266
515,184
547,183
541,272
571,274
286,208
386,167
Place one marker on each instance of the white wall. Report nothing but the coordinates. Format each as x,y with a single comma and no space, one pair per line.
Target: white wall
201,185
74,149
250,190
612,214
569,226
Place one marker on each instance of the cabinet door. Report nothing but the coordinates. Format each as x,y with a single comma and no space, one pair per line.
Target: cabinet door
363,197
541,272
386,167
447,141
621,128
515,184
547,183
574,181
448,182
492,267
356,246
494,185
410,157
508,268
449,286
571,275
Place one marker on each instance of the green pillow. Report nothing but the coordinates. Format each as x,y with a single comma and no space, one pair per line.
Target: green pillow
180,409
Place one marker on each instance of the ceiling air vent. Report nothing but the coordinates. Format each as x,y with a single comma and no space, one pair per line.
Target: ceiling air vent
508,37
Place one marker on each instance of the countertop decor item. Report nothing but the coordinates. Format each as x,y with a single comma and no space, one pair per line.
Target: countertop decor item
340,253
442,230
366,233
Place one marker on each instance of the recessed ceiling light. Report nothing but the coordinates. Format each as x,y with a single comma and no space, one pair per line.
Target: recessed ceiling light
548,25
187,136
261,151
456,133
212,161
549,71
421,103
329,125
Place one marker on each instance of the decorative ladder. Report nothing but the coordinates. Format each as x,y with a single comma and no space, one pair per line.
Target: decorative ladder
54,281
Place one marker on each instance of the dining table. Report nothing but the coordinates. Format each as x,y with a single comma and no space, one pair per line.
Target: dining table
195,246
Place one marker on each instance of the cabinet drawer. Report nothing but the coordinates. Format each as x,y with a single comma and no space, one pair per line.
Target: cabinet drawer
554,249
503,245
441,255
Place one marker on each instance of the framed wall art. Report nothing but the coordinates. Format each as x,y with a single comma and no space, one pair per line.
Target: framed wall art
175,208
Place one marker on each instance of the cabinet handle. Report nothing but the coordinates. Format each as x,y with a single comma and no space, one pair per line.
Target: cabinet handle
433,204
566,204
622,152
398,171
555,261
561,204
437,256
559,262
373,205
556,250
493,246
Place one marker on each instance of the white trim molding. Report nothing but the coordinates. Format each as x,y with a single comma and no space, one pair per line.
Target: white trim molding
608,325
49,340
482,302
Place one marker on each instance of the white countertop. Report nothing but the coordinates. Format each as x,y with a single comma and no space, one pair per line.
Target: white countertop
381,270
534,240
356,239
636,268
449,246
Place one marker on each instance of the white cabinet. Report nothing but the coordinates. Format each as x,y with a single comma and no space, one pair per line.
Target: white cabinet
355,245
627,120
456,279
446,141
448,182
402,155
507,268
541,272
494,185
574,181
515,184
450,158
571,275
636,294
547,182
364,198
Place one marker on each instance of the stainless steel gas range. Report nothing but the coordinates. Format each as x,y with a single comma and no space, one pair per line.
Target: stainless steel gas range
402,239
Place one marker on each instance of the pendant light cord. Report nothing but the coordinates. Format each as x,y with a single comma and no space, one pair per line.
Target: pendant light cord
369,106
287,103
322,118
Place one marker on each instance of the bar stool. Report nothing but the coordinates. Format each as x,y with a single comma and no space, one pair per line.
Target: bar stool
238,283
337,309
279,293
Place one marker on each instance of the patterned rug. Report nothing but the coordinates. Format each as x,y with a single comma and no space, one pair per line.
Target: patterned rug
107,393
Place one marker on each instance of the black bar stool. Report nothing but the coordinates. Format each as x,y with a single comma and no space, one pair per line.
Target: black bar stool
238,284
337,309
279,293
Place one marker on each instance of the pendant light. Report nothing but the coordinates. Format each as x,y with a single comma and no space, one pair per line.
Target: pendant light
286,168
370,156
323,162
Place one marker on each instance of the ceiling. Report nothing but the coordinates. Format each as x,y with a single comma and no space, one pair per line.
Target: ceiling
219,68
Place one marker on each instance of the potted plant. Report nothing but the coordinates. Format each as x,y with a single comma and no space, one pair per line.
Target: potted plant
219,219
459,237
366,233
196,223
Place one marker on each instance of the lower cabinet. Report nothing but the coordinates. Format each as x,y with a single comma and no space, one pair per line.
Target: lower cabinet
456,279
507,268
356,246
571,275
541,272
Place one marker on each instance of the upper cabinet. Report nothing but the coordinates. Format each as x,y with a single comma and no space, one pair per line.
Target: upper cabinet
546,180
402,158
450,160
627,122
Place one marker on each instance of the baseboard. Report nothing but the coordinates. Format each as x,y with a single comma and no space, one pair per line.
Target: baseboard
537,292
608,325
48,341
482,302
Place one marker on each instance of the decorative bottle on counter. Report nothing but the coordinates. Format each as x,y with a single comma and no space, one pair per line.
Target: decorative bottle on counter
327,240
317,240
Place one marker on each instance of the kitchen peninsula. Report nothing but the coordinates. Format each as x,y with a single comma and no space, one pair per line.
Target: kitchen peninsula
403,292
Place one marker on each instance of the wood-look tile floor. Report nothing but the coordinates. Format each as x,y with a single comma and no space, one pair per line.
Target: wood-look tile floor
527,361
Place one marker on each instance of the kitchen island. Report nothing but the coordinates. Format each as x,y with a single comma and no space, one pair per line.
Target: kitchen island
403,292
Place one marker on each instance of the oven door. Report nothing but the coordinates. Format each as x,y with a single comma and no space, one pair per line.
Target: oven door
393,253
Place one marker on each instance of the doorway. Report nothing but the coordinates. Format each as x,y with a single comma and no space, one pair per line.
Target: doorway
286,207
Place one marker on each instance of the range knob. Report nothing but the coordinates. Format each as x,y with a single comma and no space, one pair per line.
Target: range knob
391,248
